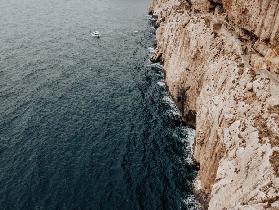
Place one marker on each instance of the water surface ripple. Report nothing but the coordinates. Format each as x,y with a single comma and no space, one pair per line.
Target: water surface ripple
87,123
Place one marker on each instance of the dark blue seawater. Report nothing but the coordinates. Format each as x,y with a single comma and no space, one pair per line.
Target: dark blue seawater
87,123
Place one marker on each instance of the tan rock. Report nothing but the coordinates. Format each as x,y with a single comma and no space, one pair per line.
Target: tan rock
221,62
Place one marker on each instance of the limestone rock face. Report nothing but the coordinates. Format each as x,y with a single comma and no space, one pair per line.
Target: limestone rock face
221,59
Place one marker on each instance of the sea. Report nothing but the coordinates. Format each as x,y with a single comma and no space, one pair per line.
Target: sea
87,122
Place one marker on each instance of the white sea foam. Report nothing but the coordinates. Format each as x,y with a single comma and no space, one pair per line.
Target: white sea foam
167,99
173,113
190,133
156,65
191,203
161,83
151,49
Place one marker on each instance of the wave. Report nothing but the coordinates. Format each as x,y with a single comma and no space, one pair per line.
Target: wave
173,108
161,83
191,203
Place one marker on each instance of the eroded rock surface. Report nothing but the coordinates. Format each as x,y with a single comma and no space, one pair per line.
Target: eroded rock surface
221,59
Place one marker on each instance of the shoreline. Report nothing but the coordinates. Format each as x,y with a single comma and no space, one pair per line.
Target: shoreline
200,196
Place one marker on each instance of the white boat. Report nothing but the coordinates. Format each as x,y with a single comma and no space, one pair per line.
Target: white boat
95,34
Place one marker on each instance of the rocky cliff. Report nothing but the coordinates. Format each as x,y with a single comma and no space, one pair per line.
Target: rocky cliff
221,59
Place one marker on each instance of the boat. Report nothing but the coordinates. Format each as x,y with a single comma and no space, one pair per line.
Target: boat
96,34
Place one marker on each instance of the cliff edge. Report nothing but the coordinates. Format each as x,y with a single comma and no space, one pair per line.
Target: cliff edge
221,59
